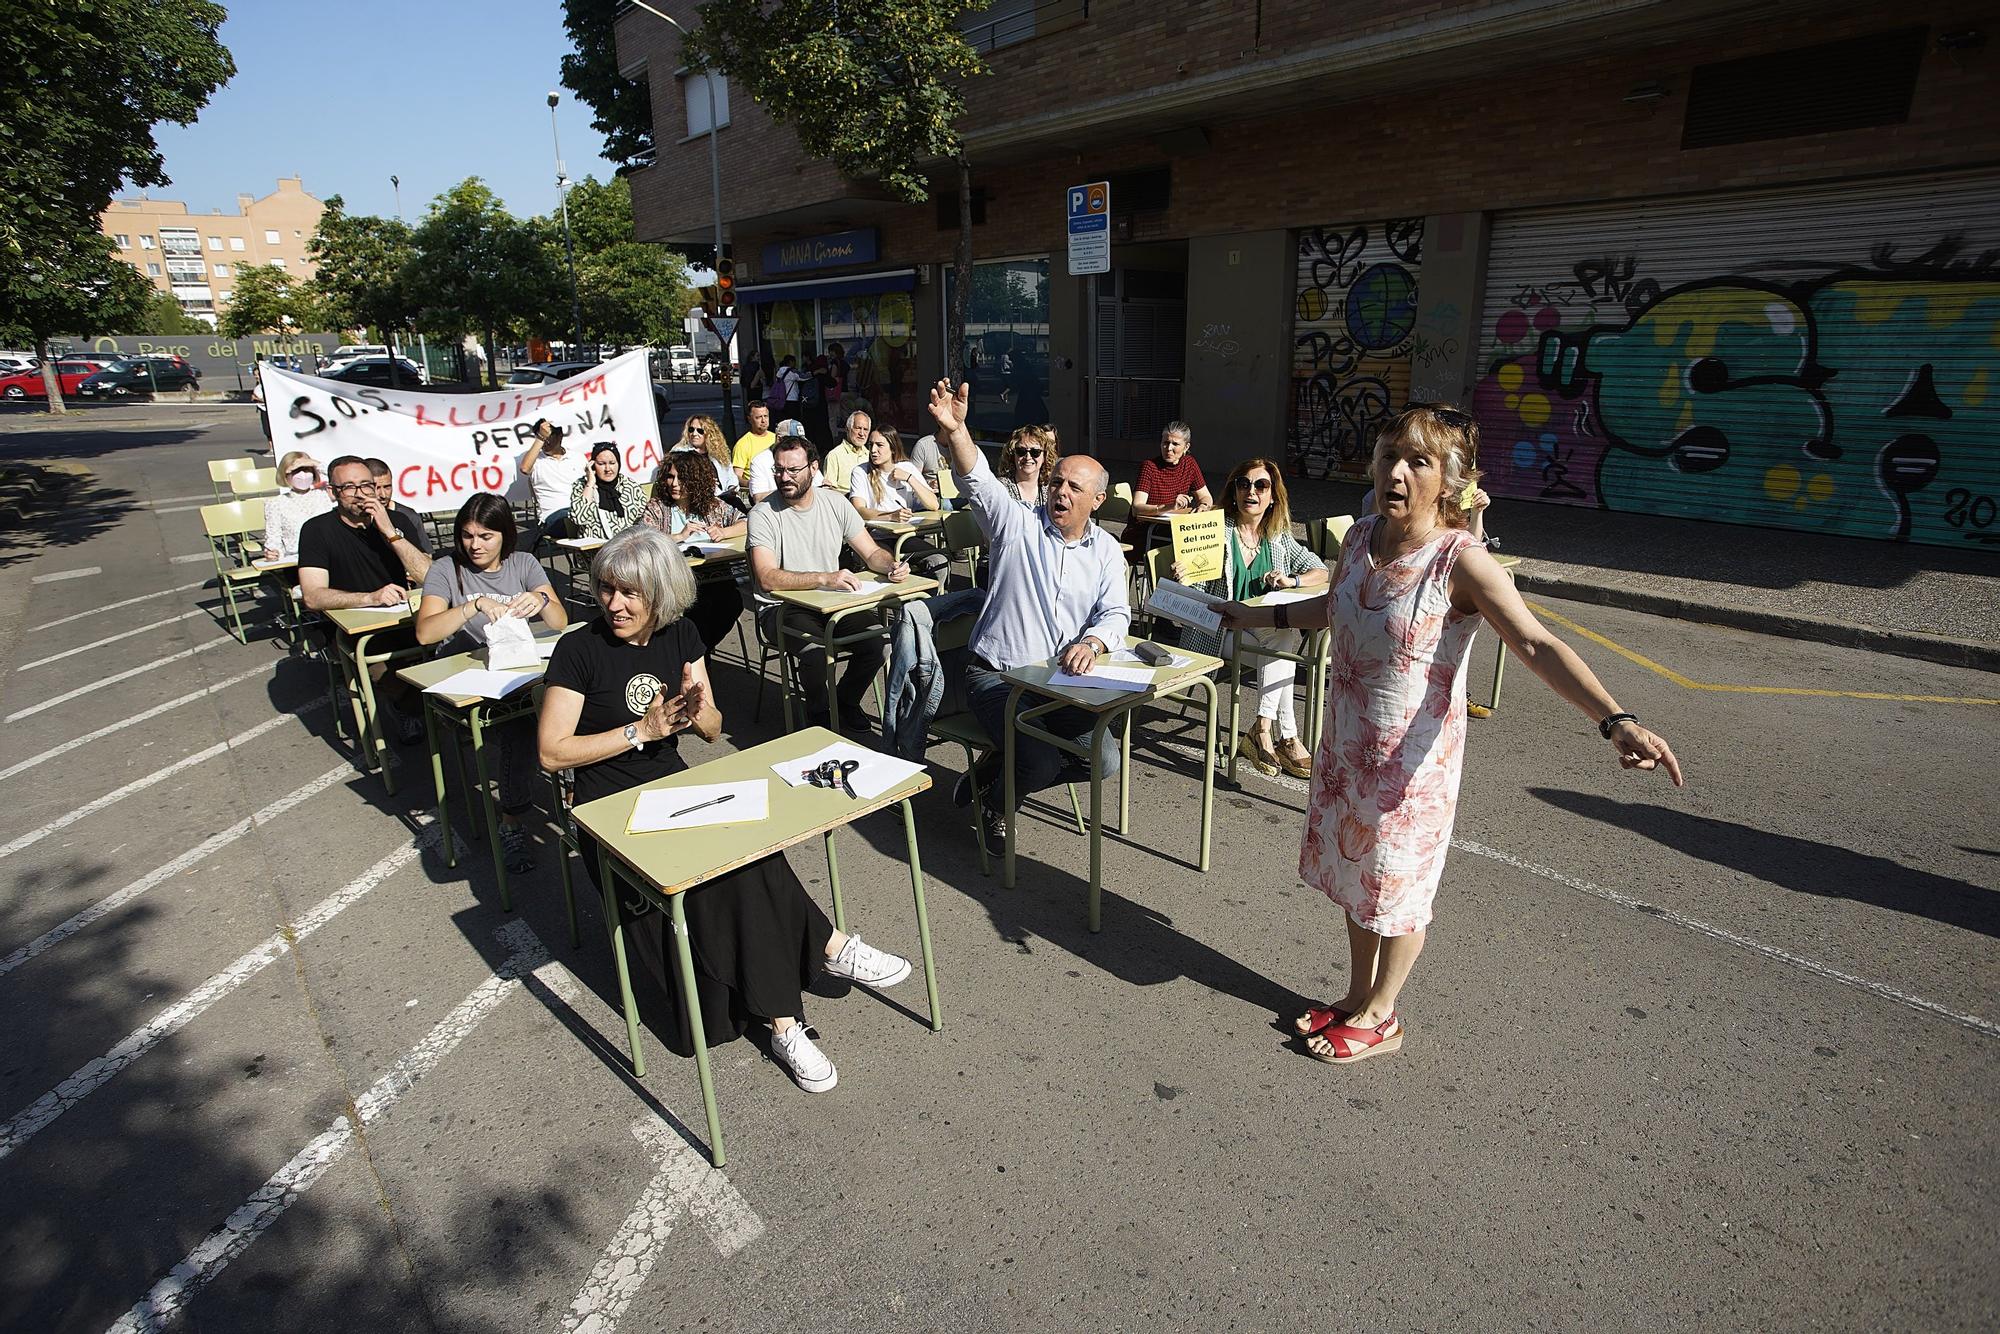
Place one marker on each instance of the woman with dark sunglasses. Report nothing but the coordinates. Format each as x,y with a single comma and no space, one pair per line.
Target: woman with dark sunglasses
1260,556
1028,463
703,435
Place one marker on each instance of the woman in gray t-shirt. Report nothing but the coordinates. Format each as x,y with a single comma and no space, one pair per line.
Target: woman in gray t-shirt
485,578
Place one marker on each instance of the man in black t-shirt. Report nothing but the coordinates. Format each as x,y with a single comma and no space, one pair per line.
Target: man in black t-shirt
363,554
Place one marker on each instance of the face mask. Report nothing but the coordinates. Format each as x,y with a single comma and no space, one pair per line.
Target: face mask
302,481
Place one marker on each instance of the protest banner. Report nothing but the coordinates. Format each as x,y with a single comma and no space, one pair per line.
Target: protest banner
1198,545
444,448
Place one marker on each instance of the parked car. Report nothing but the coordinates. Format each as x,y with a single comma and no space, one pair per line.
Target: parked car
347,352
141,376
28,383
549,372
681,362
375,371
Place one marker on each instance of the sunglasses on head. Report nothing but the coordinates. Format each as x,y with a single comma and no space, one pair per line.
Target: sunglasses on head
1451,417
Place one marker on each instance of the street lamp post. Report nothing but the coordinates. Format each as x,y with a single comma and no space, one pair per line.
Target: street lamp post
569,249
715,191
396,184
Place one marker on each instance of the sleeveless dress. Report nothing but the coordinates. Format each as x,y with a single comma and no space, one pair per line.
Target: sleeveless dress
1385,779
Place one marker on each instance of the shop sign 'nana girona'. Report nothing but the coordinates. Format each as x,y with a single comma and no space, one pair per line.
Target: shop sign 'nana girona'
443,448
834,250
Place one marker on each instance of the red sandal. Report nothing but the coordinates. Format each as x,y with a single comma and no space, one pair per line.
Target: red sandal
1350,1044
1319,1017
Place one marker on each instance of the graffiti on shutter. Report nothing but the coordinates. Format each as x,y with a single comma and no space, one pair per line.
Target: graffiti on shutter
1354,333
1850,387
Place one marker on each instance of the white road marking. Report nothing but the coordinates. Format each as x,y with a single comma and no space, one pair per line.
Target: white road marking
175,500
685,1183
110,639
1701,928
201,851
60,575
181,509
117,795
25,1124
168,1297
113,606
56,752
191,558
116,677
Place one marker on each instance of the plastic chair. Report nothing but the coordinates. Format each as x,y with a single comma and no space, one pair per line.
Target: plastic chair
964,541
228,527
1324,536
219,471
254,482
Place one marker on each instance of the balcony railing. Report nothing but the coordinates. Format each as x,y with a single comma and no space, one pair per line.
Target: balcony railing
1017,23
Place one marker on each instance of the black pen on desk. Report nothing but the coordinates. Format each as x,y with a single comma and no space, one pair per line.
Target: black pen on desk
703,805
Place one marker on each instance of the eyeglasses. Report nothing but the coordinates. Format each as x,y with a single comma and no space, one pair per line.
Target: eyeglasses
1027,453
695,432
356,488
799,471
1253,484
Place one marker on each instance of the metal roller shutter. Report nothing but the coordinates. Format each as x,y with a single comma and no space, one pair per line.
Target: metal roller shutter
1825,358
1354,332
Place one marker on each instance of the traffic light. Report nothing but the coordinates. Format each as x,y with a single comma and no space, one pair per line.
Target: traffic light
725,285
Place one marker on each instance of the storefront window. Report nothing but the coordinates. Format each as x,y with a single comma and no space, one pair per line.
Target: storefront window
1006,344
872,345
787,329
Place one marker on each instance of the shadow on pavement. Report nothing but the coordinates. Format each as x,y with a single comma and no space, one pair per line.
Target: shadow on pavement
67,516
1799,864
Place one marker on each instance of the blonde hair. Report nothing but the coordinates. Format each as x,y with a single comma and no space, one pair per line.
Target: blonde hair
1450,437
294,459
1045,436
711,437
1278,518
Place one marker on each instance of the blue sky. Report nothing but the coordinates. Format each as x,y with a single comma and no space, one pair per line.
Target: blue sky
346,95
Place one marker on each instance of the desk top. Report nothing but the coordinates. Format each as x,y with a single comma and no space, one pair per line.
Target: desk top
1036,678
873,590
916,523
429,672
738,549
680,859
368,620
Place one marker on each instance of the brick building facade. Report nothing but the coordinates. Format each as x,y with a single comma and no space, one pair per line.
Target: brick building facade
195,256
1731,261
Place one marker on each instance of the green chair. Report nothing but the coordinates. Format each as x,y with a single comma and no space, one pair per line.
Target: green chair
219,471
963,541
228,527
254,482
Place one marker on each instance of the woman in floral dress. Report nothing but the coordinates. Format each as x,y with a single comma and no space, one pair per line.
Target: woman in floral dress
1411,587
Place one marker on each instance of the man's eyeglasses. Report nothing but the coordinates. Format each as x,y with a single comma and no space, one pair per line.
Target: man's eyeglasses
356,488
1253,484
799,471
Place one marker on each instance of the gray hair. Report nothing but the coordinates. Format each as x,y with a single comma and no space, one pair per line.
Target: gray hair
1181,429
646,563
861,414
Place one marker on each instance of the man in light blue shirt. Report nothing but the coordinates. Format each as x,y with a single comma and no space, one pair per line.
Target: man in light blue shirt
1055,588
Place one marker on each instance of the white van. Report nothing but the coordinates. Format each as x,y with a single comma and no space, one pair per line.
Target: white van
347,352
681,363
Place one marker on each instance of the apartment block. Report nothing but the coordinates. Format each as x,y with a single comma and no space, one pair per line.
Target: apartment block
197,256
1727,259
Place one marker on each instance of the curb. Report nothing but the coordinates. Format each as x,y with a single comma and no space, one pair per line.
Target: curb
1902,643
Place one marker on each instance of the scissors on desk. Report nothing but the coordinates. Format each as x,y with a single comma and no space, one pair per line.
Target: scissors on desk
833,774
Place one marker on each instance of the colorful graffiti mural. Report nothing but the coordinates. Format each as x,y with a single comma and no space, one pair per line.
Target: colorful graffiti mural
1354,325
1861,401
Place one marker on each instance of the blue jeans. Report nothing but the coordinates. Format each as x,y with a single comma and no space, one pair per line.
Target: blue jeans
1036,763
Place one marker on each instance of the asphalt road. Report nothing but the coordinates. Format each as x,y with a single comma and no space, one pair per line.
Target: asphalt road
1722,1057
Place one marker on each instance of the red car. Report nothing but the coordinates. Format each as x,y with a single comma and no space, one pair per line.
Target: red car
28,384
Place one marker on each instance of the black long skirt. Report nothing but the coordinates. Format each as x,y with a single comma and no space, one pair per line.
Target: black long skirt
757,939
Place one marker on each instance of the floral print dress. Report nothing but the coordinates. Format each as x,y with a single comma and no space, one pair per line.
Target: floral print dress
1385,780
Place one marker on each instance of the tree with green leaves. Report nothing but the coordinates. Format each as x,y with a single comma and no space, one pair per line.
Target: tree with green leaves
476,268
165,315
873,86
81,287
266,301
634,293
623,107
359,260
86,84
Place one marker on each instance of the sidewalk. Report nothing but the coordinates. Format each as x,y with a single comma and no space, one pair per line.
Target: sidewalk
1927,602
176,413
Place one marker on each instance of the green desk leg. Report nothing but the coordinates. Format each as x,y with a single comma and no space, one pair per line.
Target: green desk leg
1235,702
625,996
348,669
1007,782
1207,771
833,883
1125,776
1499,670
784,671
437,781
692,1002
491,807
1096,900
562,865
923,913
374,748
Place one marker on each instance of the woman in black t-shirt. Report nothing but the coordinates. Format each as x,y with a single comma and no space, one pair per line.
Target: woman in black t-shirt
621,690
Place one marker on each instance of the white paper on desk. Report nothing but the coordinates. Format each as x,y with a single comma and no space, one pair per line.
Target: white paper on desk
1189,606
877,774
272,564
482,682
546,648
1292,595
664,809
510,645
1105,678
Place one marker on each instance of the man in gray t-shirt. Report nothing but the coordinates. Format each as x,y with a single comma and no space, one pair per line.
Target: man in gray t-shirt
794,542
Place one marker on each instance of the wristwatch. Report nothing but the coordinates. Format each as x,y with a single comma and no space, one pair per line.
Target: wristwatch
632,737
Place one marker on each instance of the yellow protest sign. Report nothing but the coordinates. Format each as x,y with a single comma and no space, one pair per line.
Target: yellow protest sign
1198,542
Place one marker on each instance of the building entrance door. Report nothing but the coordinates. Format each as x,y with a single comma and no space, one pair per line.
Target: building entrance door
1138,358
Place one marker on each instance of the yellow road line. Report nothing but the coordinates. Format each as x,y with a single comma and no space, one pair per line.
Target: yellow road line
1691,684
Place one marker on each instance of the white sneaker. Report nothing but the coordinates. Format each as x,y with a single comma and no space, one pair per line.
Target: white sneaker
858,961
796,1051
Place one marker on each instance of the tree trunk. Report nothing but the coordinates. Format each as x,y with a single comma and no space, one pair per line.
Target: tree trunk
492,357
961,296
51,382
